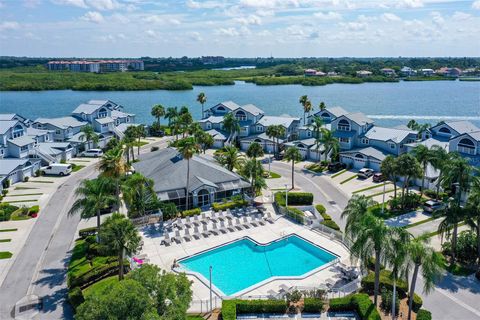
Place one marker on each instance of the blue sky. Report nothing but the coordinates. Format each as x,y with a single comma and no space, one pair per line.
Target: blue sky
243,28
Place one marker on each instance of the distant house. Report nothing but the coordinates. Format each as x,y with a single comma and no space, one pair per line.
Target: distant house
449,72
388,72
314,73
407,72
208,183
427,72
364,73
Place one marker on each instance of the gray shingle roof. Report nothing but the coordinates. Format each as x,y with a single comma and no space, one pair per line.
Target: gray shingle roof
262,136
359,118
53,148
337,111
386,134
86,108
120,114
310,142
5,125
7,116
168,170
104,120
9,165
275,120
22,141
36,132
429,143
63,122
229,105
253,109
462,126
217,134
369,152
213,119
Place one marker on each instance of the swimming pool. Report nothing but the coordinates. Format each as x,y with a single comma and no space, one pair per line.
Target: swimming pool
244,263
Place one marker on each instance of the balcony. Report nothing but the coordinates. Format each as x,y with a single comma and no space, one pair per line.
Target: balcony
466,150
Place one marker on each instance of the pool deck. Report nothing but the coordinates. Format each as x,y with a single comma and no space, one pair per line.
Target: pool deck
164,256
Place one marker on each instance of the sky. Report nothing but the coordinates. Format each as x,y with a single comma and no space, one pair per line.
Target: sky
242,28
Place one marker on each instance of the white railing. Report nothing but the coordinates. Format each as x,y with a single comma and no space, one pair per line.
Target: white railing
48,158
204,306
466,150
148,219
118,133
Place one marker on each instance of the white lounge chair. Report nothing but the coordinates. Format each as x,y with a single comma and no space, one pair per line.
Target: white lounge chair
187,236
246,223
196,233
223,227
268,218
178,237
238,224
259,220
253,222
166,240
215,230
230,226
205,232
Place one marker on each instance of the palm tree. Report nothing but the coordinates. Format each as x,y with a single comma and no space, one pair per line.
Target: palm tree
329,142
304,102
188,147
171,114
112,165
420,254
92,197
276,132
119,235
473,211
454,214
389,170
424,157
129,141
292,154
139,134
229,157
185,120
158,111
204,139
139,195
322,106
439,159
317,125
252,170
457,172
231,125
409,168
255,150
88,134
356,208
202,98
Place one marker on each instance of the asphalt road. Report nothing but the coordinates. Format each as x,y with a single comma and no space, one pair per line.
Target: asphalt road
453,297
40,267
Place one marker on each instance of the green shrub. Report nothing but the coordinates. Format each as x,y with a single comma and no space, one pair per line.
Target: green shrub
83,233
385,281
191,212
33,209
25,179
321,209
387,301
220,206
294,198
312,305
417,303
75,297
331,224
6,211
93,275
230,308
423,314
296,214
359,302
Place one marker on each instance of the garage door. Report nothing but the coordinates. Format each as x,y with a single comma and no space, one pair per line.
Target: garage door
244,145
375,165
347,160
218,144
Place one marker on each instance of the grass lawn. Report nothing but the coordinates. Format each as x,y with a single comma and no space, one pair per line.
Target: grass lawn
8,230
142,143
20,218
380,193
349,178
26,194
419,223
99,287
26,200
24,188
76,160
370,187
315,167
5,255
5,240
338,173
274,175
41,181
195,317
77,167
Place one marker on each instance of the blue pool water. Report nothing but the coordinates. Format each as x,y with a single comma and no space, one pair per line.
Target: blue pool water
243,263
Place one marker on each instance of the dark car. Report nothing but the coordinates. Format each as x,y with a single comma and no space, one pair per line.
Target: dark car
336,166
378,177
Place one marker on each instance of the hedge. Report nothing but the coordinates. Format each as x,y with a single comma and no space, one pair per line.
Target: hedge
368,283
359,302
93,275
230,308
331,224
312,305
75,297
83,233
295,214
191,212
417,303
33,209
294,198
321,209
220,206
423,314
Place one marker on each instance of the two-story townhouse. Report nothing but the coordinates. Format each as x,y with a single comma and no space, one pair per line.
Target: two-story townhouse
467,145
308,145
248,117
64,128
220,109
390,140
347,128
328,115
447,130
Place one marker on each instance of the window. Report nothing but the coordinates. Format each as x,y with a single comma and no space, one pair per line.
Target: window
105,125
345,140
466,146
84,116
209,125
128,119
102,113
17,131
343,125
203,198
58,131
325,115
259,128
47,138
309,133
240,116
445,130
220,108
365,140
392,145
24,148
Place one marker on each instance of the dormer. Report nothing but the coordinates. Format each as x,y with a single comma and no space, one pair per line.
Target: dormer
18,131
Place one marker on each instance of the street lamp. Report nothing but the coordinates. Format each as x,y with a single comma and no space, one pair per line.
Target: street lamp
286,196
211,306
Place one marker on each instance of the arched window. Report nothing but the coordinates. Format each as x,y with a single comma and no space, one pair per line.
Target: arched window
258,140
359,156
445,130
240,115
466,146
343,125
300,145
325,115
220,108
203,198
17,131
102,113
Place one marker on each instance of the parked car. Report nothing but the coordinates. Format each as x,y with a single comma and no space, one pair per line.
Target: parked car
92,153
365,173
60,169
432,206
336,166
378,177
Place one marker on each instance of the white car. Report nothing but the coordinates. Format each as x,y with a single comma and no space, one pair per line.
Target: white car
365,173
92,153
60,169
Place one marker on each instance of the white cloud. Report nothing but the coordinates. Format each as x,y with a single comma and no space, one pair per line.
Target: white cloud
270,4
32,36
151,33
174,21
354,26
31,3
93,16
390,17
103,5
476,5
121,36
204,4
437,18
75,3
227,32
9,25
459,16
250,20
195,36
328,16
410,4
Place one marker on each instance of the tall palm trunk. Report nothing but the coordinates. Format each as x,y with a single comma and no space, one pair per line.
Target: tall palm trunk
437,196
293,172
394,186
138,146
121,257
423,178
98,220
412,290
377,277
478,240
188,183
133,153
454,242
